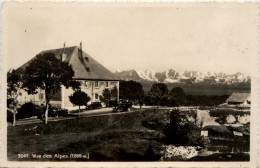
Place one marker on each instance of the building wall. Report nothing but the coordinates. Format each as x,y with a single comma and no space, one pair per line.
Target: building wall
24,97
88,87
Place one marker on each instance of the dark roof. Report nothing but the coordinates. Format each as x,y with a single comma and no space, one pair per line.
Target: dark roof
57,52
239,97
84,68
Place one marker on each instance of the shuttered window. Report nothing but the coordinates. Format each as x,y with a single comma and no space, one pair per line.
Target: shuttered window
96,84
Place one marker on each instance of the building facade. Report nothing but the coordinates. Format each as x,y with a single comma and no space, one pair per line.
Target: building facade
94,78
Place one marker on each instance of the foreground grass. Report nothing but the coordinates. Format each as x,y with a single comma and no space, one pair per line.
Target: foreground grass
131,136
112,137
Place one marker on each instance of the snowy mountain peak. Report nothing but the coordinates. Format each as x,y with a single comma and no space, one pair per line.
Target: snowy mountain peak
172,76
147,75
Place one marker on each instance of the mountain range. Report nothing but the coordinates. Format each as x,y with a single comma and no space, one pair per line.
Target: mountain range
185,77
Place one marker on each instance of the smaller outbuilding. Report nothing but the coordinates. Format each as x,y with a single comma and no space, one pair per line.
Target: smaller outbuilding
239,98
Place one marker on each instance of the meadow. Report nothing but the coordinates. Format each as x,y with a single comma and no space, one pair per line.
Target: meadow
131,136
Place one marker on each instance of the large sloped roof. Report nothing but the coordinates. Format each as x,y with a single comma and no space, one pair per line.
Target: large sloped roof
239,97
86,68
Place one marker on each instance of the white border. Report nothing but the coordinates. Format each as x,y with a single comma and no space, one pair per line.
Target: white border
254,112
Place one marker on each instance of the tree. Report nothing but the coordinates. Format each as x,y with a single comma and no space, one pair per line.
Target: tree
114,93
14,84
79,98
106,96
130,90
141,99
158,92
48,73
176,96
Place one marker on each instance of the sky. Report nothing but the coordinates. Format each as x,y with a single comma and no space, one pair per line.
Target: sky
215,37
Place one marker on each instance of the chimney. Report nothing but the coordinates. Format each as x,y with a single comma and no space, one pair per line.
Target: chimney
63,55
80,52
80,46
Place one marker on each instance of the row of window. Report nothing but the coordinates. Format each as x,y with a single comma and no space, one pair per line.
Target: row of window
97,84
41,96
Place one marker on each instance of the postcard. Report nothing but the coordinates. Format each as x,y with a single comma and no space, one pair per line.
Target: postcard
129,84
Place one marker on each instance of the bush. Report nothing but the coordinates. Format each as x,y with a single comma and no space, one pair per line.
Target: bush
28,110
56,111
62,112
154,123
181,131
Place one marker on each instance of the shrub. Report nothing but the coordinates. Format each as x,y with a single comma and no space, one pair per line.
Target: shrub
62,112
56,111
28,110
181,130
153,123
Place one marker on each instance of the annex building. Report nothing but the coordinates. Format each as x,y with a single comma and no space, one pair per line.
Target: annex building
93,77
239,99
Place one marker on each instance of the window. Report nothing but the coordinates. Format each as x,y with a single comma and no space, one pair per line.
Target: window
86,84
106,84
96,84
96,96
40,96
20,93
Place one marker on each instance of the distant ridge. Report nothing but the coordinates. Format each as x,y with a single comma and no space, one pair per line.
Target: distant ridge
187,77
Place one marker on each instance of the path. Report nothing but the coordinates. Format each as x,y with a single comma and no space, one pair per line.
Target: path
88,113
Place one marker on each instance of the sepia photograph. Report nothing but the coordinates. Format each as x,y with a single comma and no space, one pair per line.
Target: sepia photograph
130,83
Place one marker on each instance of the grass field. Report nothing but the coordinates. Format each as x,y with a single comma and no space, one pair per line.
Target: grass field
130,136
113,137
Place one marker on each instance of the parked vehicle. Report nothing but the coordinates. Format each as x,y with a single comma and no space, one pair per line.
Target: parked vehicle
112,103
94,105
122,107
